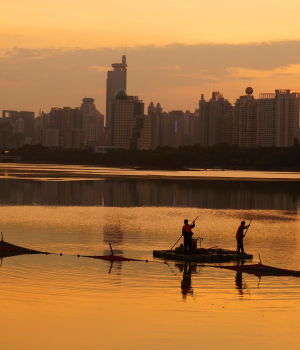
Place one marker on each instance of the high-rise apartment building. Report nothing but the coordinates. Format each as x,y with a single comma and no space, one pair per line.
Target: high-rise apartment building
245,120
211,113
287,117
92,123
204,121
141,133
226,134
278,119
50,137
124,109
172,129
76,127
266,121
9,138
155,114
192,127
116,80
15,118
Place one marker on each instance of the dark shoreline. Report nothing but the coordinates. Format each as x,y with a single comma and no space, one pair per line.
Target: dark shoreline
185,158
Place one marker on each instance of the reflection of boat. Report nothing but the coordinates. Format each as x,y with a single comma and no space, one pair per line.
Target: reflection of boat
261,270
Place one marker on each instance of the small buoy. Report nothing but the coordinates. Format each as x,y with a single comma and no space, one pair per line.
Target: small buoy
60,254
78,256
146,261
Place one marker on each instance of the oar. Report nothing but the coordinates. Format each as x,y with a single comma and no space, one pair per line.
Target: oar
248,227
181,236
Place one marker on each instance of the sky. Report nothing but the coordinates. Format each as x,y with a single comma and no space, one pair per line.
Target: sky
54,53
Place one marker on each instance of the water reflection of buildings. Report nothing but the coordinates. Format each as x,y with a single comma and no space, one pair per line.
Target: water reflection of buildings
132,193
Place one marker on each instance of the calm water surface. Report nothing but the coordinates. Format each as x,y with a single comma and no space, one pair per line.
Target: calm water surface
66,302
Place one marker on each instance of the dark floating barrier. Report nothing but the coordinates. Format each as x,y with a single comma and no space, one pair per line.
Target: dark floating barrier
260,270
8,249
111,258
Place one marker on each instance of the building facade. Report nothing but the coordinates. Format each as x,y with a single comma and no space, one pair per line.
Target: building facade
245,120
211,113
141,133
124,109
77,127
278,119
266,121
22,123
172,129
155,113
286,117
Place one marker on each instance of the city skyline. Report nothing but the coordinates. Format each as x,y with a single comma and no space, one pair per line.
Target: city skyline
54,63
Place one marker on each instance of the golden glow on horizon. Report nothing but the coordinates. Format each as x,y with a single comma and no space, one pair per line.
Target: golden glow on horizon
89,24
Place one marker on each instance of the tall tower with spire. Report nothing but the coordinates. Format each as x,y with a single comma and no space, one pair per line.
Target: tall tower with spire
116,80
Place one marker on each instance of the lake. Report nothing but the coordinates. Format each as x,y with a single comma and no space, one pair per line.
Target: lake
71,302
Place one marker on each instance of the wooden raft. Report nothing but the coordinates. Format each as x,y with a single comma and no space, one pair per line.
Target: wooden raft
211,256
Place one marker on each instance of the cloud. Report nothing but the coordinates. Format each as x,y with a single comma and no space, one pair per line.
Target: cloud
100,69
237,72
50,77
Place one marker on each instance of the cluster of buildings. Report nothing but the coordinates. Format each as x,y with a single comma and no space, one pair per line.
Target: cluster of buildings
270,120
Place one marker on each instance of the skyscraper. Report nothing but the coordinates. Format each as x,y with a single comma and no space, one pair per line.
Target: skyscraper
116,80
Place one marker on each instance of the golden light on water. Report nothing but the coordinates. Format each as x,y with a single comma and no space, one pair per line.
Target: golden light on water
79,302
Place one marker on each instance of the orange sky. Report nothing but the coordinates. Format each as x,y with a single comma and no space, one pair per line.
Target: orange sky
147,28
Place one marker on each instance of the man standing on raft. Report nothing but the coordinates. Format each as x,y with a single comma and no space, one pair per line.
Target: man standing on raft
240,236
187,234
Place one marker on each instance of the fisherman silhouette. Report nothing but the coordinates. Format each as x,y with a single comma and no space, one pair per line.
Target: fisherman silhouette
187,234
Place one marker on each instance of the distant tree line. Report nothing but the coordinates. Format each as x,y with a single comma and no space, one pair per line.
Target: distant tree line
196,156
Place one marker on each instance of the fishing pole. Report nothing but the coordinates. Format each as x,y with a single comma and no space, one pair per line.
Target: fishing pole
181,236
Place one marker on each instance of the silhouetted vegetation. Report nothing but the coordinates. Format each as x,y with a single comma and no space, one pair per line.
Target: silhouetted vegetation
197,156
